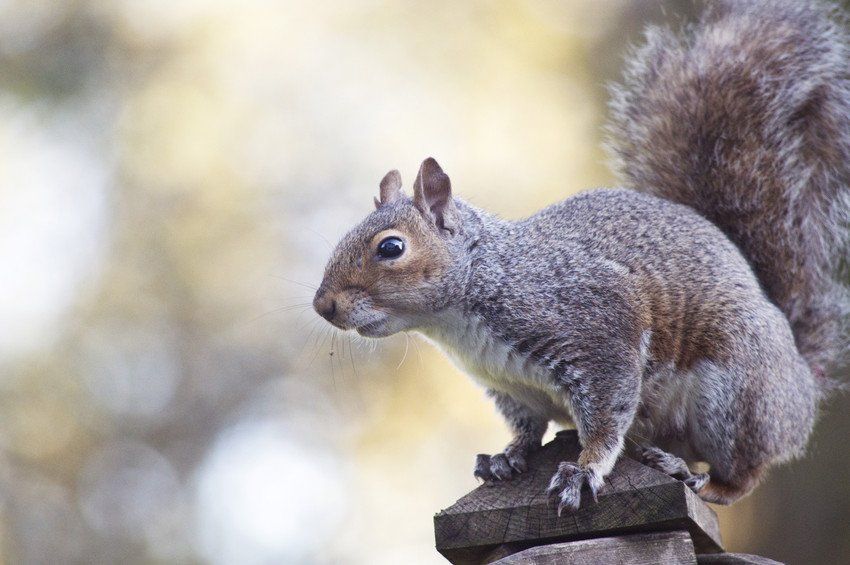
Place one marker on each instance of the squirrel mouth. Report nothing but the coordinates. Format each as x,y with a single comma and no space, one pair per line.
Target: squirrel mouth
372,329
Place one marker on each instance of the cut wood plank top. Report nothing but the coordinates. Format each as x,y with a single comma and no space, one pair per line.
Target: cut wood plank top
500,518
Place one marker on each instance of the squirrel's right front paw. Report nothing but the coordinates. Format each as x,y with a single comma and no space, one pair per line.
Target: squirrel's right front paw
499,467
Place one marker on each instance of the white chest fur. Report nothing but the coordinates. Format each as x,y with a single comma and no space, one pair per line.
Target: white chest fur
494,364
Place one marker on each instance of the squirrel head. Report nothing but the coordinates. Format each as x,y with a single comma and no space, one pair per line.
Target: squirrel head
391,271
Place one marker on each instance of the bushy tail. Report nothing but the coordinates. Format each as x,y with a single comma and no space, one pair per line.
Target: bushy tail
746,118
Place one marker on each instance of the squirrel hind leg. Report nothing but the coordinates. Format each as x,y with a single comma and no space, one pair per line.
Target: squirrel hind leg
707,487
674,466
665,462
726,492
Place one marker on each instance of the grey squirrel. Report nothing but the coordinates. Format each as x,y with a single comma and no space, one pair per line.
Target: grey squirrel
696,312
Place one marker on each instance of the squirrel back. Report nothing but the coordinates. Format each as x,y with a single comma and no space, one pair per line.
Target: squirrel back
746,119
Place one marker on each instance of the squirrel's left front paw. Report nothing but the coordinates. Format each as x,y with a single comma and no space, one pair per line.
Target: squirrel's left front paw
499,467
567,483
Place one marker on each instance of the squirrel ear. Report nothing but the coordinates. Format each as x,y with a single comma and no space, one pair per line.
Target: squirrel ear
432,194
390,188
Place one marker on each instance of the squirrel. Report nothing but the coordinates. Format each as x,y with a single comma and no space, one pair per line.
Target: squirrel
697,311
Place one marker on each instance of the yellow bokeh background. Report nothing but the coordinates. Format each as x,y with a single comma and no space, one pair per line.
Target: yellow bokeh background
172,178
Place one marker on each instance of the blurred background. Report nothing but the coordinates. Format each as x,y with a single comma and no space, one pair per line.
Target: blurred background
172,177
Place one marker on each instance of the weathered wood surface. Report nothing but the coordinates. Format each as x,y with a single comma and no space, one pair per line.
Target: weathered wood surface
734,559
664,548
501,518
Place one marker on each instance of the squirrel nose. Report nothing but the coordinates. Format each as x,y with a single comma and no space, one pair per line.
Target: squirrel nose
325,306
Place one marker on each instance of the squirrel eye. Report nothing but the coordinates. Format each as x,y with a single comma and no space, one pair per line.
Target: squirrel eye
390,248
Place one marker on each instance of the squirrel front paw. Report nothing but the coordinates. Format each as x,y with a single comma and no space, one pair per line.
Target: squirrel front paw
567,483
500,467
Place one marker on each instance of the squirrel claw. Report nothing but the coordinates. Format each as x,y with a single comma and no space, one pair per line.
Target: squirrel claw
665,462
567,483
499,467
482,468
696,482
674,466
517,461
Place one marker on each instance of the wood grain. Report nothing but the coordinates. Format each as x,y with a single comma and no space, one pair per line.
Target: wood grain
666,548
734,559
500,518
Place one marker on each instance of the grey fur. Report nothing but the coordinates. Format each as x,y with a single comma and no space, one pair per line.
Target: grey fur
527,427
674,466
747,117
630,315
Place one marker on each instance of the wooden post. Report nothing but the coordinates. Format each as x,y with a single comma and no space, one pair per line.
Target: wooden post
642,516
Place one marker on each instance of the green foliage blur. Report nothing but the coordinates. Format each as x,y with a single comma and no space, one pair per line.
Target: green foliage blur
173,175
